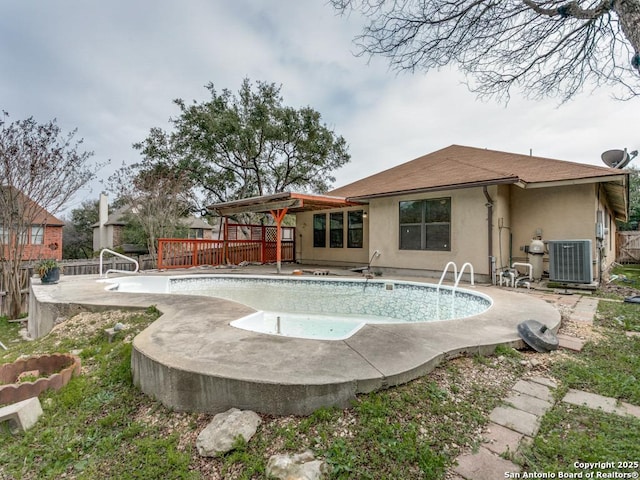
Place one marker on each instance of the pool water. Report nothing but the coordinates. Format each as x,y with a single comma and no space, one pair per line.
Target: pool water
302,325
327,309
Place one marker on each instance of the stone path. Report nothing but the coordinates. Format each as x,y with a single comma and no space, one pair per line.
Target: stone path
517,421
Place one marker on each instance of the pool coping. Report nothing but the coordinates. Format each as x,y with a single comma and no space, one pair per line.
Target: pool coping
191,359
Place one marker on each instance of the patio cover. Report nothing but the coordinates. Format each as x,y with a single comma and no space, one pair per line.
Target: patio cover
278,205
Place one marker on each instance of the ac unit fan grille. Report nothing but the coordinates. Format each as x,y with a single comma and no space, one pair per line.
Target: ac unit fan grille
570,261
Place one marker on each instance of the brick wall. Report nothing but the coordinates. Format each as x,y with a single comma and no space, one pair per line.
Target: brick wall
51,246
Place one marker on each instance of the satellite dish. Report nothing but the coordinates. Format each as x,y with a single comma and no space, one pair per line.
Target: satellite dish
618,158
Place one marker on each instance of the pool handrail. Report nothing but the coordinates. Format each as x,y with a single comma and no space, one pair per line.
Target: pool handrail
114,270
444,272
466,264
456,277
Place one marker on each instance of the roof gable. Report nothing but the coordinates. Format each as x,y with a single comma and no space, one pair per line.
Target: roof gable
37,215
459,166
120,217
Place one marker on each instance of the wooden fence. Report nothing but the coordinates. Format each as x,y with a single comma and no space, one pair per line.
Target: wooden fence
628,247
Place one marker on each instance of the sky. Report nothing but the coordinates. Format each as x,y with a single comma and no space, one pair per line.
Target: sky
112,70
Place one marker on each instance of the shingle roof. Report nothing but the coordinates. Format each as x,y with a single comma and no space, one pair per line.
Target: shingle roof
459,166
37,214
119,217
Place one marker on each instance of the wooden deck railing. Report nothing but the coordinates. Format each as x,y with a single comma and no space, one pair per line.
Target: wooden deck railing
185,253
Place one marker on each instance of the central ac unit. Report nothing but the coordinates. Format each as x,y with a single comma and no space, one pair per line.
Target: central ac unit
570,261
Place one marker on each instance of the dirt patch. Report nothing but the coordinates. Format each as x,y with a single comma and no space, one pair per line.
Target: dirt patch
87,324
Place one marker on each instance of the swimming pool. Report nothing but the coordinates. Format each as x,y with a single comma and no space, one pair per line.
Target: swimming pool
191,359
321,309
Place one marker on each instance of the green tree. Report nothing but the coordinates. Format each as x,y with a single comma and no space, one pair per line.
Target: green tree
545,48
77,234
634,201
249,144
40,170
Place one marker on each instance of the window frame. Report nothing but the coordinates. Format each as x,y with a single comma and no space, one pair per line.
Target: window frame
427,211
320,234
355,229
33,236
336,233
196,234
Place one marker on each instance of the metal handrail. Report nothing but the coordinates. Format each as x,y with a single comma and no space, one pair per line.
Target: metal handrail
456,277
467,264
444,272
113,270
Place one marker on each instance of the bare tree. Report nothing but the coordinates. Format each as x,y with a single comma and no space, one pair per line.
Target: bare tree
40,170
160,198
545,48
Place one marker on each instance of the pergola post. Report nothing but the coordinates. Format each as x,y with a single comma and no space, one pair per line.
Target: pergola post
278,216
225,239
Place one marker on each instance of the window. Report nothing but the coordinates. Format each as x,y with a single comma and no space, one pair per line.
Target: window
197,233
425,224
320,230
22,236
336,230
354,229
37,234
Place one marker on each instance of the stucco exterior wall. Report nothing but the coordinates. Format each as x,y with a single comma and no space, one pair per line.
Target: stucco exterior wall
112,237
502,226
558,213
307,253
468,234
554,213
608,243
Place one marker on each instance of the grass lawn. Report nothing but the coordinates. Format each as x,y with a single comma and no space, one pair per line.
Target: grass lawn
101,426
609,366
627,275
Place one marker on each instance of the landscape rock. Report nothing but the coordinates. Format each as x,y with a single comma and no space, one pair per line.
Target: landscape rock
301,466
220,435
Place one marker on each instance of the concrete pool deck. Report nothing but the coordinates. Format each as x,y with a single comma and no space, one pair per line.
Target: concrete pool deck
191,359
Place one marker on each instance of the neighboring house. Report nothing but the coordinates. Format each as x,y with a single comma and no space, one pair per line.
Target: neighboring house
43,234
464,204
108,231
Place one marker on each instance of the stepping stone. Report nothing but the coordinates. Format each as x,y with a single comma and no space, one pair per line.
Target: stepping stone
518,420
591,400
628,409
483,465
632,334
527,403
547,382
570,343
588,304
600,402
582,317
500,439
534,389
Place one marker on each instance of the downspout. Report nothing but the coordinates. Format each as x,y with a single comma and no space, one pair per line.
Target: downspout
489,206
